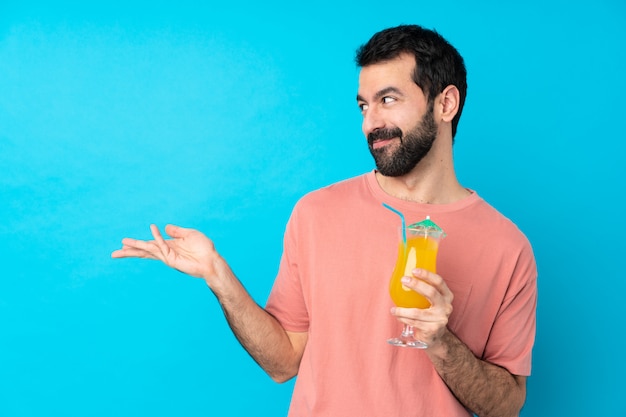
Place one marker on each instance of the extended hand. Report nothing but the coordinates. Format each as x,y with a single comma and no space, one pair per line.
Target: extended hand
429,324
188,250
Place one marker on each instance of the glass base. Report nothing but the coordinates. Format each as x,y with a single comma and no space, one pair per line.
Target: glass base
406,339
411,343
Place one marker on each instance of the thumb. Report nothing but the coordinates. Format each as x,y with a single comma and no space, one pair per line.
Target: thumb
176,231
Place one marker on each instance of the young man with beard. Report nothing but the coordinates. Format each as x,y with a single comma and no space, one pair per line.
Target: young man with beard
329,313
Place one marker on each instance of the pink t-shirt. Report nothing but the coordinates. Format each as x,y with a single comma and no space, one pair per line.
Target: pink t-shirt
339,251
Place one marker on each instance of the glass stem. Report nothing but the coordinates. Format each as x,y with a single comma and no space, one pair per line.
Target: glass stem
407,331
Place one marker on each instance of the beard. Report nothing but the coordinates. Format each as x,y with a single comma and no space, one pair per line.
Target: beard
396,161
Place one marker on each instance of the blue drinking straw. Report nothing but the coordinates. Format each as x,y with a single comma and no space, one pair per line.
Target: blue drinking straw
387,206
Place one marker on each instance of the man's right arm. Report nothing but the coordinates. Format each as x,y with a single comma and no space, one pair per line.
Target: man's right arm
277,351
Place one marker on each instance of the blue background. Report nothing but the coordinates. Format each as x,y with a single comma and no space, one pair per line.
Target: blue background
219,117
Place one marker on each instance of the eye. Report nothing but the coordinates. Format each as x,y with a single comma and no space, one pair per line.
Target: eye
388,99
363,107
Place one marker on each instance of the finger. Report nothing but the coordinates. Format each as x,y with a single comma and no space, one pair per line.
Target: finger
125,246
403,312
418,317
128,242
131,253
136,243
435,281
151,248
424,275
156,233
158,239
420,286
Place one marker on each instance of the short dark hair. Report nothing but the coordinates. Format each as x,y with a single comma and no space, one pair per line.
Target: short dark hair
438,63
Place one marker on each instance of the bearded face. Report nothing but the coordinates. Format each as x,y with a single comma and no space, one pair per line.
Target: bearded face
399,157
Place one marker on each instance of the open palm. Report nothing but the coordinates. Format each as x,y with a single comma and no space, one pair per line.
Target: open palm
188,250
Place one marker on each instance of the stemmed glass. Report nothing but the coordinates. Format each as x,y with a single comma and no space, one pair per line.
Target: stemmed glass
418,248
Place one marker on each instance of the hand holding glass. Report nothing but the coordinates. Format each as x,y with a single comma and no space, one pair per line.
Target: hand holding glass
419,251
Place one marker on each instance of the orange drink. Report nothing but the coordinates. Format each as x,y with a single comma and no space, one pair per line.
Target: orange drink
420,252
418,249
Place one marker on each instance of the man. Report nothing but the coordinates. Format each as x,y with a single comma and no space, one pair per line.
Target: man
328,315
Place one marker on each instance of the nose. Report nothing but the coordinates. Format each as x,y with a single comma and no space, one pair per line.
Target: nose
372,120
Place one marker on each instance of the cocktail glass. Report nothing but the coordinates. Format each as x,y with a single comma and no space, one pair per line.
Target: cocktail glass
418,248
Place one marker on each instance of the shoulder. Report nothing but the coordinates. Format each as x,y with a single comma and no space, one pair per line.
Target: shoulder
340,203
341,192
493,222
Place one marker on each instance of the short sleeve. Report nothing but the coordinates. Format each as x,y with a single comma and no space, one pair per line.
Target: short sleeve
513,334
286,301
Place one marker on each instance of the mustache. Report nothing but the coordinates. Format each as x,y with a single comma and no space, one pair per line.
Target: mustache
382,134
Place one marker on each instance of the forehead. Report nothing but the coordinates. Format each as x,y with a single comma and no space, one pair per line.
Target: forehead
396,72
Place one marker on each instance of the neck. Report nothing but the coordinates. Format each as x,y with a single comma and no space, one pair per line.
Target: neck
432,181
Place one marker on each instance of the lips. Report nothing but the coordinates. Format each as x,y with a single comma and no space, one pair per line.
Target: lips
379,143
382,137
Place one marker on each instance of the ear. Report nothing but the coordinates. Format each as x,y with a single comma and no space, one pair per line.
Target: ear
448,103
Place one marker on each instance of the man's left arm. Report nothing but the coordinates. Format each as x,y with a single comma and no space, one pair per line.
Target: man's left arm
483,387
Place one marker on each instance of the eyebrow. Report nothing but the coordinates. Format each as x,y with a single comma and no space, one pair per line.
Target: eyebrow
381,93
